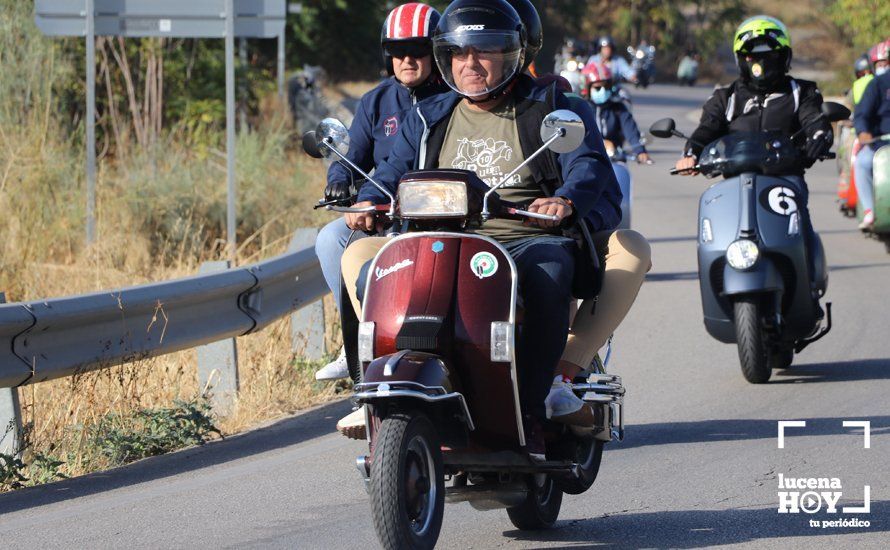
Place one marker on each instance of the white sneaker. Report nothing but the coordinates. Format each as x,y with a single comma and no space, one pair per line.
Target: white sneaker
336,369
564,406
868,221
353,424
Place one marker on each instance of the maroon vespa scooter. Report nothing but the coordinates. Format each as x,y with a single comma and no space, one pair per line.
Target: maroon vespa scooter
436,344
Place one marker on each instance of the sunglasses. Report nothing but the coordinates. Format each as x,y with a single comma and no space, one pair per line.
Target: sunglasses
408,49
600,87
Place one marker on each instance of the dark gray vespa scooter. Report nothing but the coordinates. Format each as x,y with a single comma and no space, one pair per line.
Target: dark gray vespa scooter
755,284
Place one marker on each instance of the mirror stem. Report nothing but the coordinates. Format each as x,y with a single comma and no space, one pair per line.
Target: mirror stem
328,142
560,132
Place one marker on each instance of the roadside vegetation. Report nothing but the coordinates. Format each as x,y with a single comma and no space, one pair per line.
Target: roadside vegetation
161,212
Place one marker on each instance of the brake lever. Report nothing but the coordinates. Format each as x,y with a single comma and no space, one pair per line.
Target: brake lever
323,203
678,172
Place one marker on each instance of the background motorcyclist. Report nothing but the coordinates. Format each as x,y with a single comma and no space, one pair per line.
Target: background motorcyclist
614,119
687,70
619,66
407,54
765,98
871,119
864,74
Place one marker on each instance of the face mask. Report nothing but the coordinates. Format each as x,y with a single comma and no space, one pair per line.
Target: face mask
600,96
763,73
881,70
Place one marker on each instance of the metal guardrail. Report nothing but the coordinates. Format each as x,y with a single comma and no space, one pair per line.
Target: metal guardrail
47,339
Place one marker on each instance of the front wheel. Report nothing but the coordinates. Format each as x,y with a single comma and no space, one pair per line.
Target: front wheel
407,484
541,506
753,351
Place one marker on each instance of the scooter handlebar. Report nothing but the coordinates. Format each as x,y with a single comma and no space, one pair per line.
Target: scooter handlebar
374,208
678,172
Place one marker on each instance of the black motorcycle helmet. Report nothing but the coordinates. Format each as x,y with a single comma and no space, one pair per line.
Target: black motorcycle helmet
489,27
605,40
533,29
862,66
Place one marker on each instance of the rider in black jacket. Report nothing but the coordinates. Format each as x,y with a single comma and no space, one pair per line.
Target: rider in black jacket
765,98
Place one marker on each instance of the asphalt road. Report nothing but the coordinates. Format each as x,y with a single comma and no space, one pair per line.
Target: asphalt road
698,468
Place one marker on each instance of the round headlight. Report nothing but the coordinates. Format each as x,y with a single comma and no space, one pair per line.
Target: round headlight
742,254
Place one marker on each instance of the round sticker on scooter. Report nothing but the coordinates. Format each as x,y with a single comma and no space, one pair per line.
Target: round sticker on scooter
484,264
780,200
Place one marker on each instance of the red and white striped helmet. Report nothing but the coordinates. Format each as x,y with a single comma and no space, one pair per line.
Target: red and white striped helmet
596,72
879,52
413,21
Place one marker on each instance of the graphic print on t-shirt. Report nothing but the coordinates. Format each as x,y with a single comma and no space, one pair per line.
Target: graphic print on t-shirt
483,157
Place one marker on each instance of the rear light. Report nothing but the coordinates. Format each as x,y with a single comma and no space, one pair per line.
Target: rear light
366,341
501,342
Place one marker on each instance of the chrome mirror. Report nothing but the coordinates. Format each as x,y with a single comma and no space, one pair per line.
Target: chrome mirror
562,131
332,134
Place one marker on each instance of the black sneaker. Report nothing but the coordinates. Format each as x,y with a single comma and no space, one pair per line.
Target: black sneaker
534,439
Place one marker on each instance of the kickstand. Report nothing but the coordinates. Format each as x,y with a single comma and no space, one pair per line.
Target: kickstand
801,344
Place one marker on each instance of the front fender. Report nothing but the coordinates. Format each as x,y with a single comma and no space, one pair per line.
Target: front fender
762,277
425,369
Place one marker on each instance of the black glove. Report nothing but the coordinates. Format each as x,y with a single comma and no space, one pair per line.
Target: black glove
337,191
818,144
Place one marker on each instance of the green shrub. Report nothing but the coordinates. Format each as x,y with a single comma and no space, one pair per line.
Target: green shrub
151,432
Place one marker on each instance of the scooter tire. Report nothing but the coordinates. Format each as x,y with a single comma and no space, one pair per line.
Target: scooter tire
405,516
541,506
753,351
589,457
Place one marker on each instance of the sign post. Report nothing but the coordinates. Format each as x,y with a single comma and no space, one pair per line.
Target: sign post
91,123
226,19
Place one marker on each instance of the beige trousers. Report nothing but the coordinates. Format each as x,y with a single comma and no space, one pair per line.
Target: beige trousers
627,259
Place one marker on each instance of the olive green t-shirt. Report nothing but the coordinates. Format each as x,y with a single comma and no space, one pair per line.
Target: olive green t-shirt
487,142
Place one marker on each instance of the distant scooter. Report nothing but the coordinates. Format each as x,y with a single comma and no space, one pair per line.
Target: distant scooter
847,147
625,180
755,284
642,61
881,183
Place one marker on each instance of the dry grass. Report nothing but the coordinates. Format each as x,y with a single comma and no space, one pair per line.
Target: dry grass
159,217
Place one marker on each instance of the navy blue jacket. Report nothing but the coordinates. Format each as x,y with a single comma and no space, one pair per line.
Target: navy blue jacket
584,176
617,124
378,117
873,110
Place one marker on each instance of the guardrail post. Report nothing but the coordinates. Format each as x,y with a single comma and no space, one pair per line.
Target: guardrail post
218,363
307,324
10,415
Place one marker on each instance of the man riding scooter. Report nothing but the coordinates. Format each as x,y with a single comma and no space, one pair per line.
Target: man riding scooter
765,98
407,54
488,124
872,120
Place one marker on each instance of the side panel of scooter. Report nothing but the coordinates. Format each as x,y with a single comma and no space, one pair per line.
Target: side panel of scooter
719,206
881,169
485,293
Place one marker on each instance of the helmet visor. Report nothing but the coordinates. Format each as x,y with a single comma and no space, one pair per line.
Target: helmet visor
478,63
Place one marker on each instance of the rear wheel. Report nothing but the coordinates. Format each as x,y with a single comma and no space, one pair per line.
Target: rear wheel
541,506
589,455
753,352
407,483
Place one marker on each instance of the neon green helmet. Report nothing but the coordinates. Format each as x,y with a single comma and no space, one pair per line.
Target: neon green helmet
773,35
